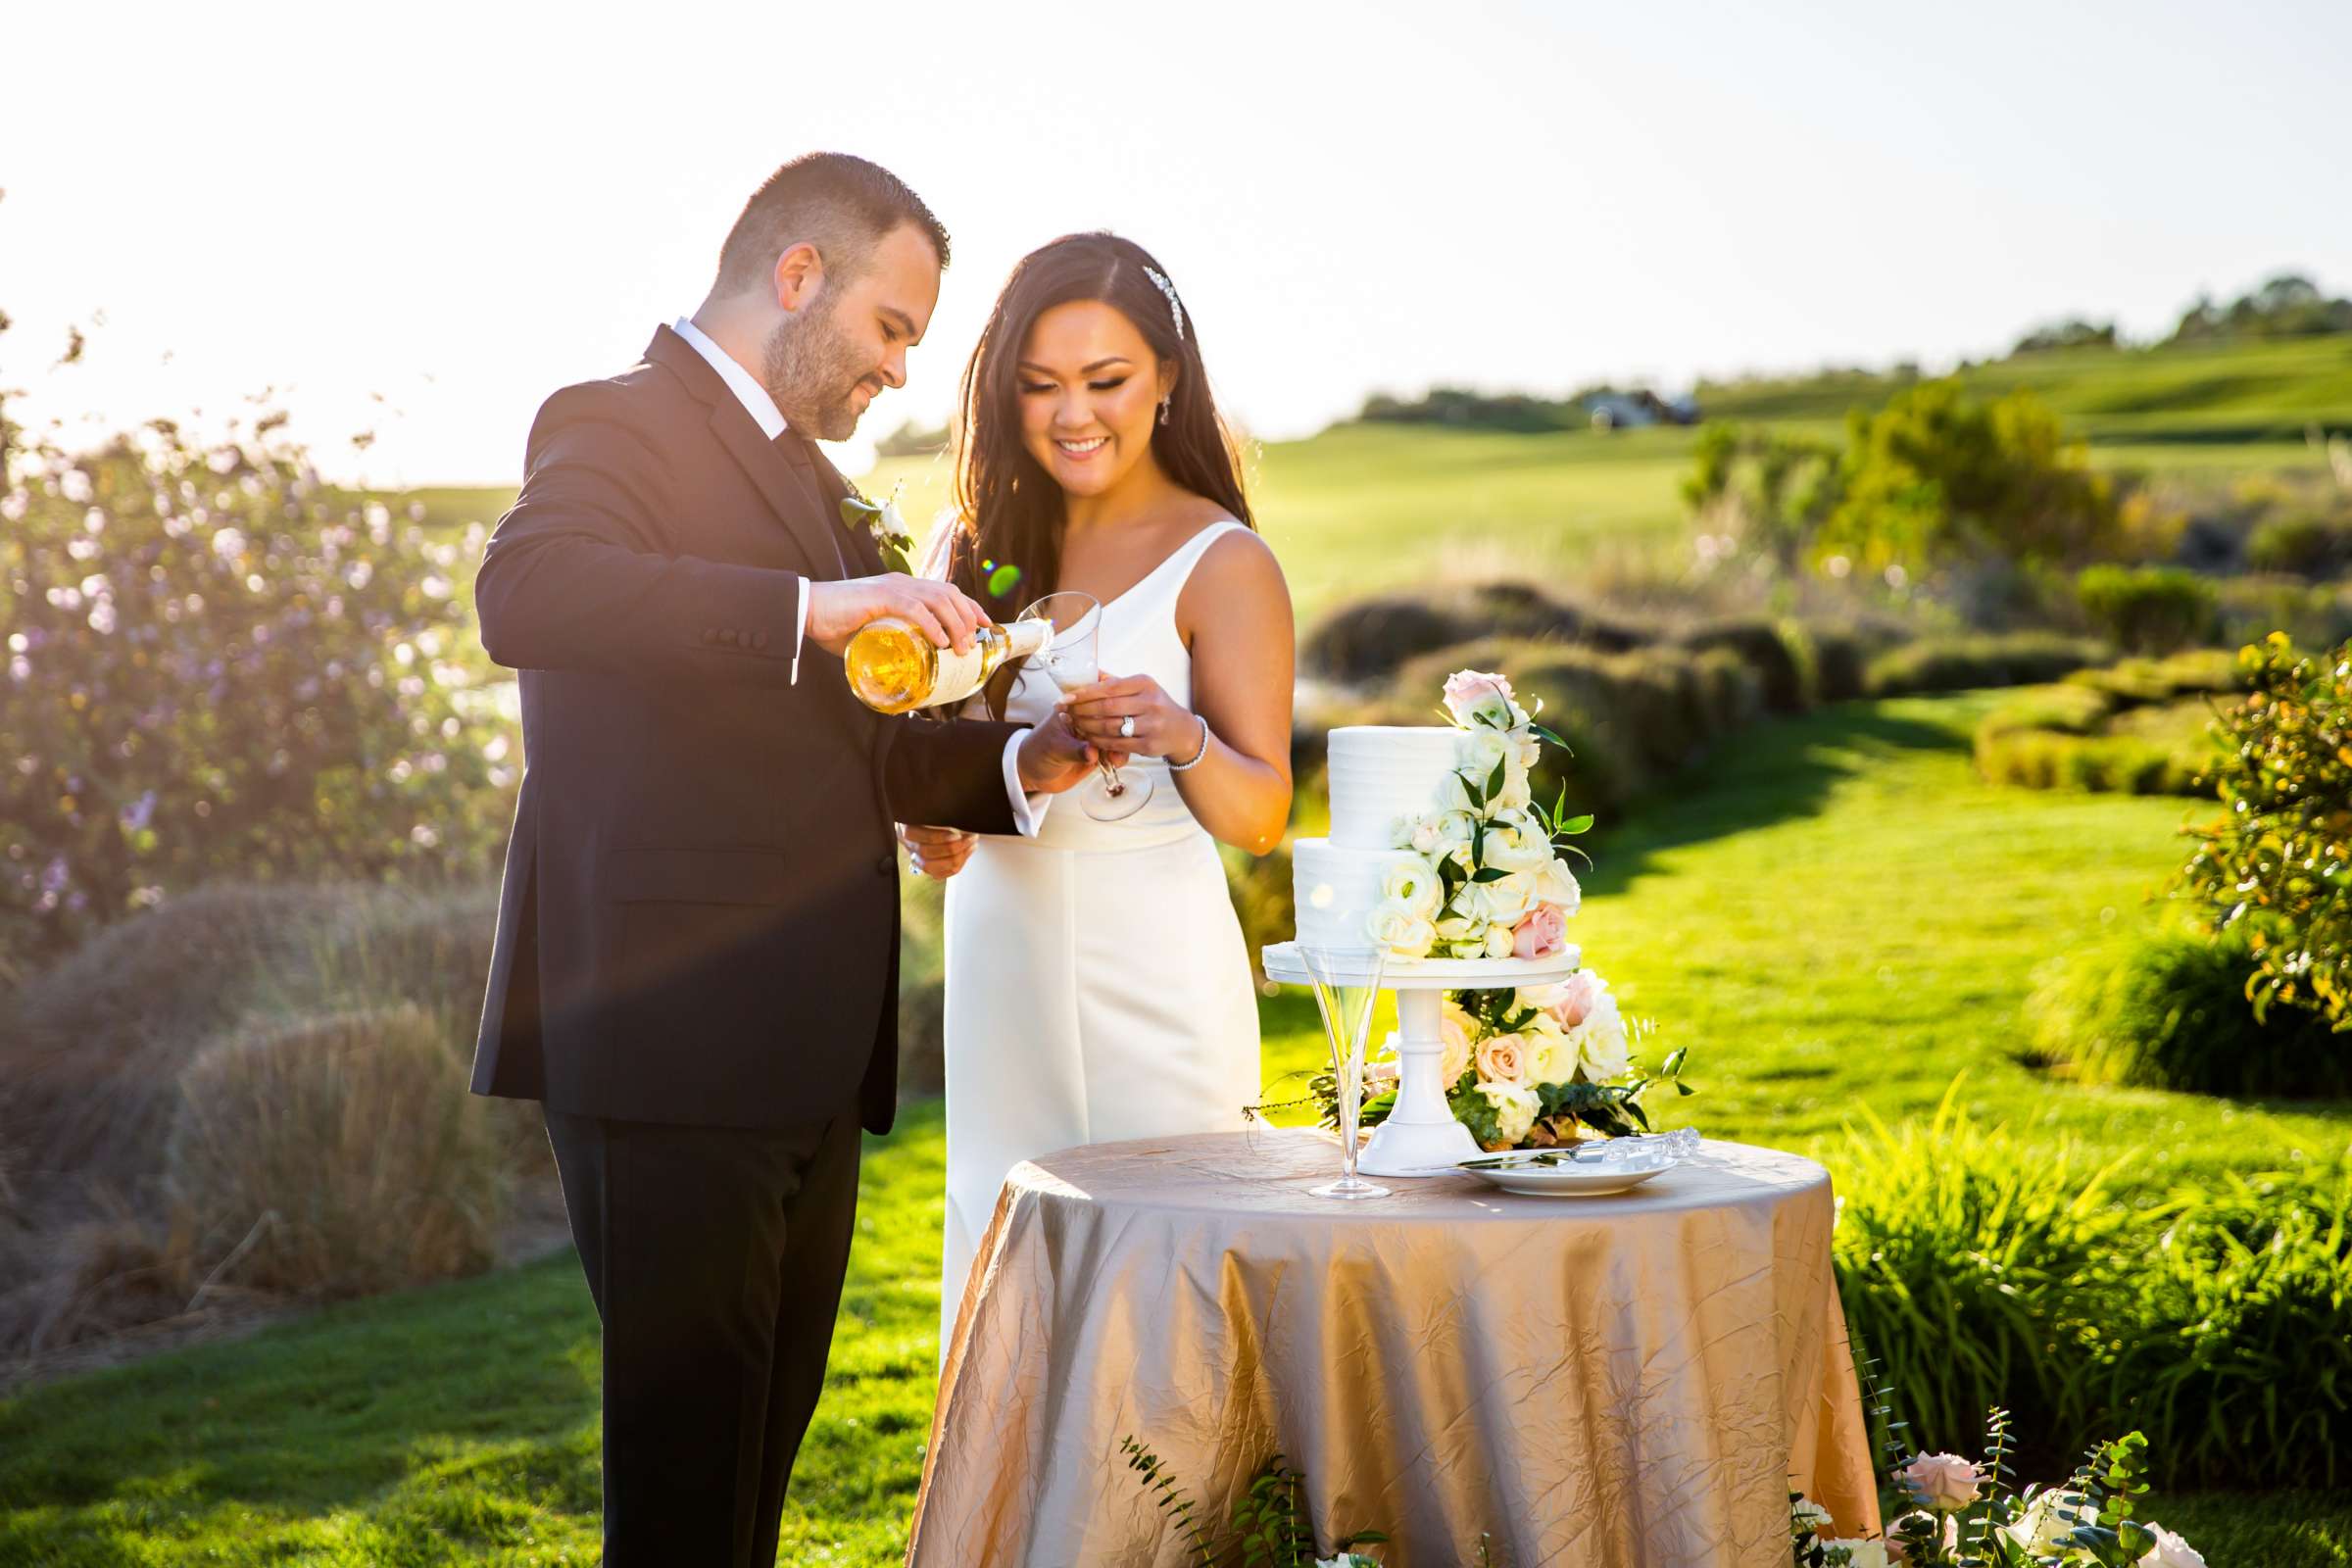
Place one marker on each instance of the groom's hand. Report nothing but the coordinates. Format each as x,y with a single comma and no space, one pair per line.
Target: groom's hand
1054,757
941,611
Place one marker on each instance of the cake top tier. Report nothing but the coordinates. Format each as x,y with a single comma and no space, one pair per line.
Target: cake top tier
1380,773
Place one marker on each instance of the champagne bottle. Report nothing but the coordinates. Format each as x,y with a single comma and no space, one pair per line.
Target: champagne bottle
894,667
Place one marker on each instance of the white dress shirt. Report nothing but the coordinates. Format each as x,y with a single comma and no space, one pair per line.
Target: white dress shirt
1027,810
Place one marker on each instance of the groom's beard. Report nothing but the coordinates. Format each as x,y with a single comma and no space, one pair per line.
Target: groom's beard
813,374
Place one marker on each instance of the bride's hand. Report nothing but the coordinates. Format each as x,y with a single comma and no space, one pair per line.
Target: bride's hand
1161,728
937,852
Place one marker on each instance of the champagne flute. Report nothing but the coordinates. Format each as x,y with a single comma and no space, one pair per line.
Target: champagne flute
1347,985
1071,659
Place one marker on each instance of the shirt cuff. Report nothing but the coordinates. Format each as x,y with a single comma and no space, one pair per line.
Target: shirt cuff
800,631
1028,811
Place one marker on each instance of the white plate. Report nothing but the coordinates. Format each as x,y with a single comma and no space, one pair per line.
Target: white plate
1547,1173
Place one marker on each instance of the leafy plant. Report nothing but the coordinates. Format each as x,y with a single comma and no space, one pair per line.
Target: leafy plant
2147,609
1270,1525
2276,865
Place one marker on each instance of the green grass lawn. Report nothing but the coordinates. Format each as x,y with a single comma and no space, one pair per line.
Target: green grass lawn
1840,916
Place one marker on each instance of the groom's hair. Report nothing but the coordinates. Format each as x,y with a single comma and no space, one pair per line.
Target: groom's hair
840,204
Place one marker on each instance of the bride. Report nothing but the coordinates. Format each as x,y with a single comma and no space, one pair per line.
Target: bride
1096,983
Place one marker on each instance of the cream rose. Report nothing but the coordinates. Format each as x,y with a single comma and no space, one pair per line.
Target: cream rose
1412,881
1943,1482
1396,926
1456,1026
2038,1528
1417,833
1515,1109
1516,842
1544,1049
1498,942
1602,1051
2170,1551
1502,902
1478,752
1861,1553
1500,1061
1556,884
1518,792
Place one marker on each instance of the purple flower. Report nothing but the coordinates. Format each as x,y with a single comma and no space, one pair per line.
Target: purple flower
54,875
139,814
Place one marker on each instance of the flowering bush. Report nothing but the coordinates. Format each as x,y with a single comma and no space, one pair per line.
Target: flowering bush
215,666
1963,1514
2277,864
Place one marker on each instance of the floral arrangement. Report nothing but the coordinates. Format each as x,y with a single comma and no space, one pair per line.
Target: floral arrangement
879,521
1962,1513
1479,875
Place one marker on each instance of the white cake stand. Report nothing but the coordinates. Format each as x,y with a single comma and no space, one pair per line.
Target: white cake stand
1420,1136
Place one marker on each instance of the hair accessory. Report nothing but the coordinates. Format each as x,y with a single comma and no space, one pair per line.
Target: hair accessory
1160,282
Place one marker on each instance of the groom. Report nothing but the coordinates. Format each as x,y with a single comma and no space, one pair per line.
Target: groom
696,967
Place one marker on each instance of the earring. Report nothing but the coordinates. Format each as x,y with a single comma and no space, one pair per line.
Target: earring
1163,407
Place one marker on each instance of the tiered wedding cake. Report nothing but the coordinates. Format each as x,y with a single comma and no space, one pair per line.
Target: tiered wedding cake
1380,776
1436,849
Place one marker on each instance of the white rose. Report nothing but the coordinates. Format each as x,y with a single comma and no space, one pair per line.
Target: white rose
1860,1553
1504,901
2170,1551
1419,833
1544,1049
1478,752
1556,884
1807,1517
1602,1051
1517,842
1412,881
1517,793
2038,1528
1515,1109
1455,832
1395,926
1530,750
1498,942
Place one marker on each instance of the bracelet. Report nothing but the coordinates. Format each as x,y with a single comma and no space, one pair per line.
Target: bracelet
1175,766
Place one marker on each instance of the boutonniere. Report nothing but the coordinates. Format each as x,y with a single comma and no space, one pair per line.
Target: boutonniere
879,521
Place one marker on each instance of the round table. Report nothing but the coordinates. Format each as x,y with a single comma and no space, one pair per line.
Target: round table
1603,1383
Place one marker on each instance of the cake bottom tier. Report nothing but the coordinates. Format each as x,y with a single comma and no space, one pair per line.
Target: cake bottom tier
1336,888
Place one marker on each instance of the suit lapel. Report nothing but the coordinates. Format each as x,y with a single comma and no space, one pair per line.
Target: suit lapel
835,489
794,496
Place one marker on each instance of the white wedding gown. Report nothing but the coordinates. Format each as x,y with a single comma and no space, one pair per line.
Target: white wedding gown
1098,985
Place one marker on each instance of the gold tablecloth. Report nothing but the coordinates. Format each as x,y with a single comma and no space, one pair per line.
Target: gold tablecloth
1626,1381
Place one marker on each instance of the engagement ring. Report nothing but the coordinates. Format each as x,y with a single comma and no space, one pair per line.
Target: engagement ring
1127,727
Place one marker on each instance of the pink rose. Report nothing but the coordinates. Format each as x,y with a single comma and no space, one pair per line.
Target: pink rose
1944,1481
1500,1060
1543,933
1574,998
1467,691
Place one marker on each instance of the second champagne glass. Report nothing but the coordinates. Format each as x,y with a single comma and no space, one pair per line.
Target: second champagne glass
1071,659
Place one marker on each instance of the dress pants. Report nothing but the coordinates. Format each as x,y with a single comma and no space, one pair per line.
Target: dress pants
716,1255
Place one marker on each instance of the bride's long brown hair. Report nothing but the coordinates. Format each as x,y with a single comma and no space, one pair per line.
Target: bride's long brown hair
1009,508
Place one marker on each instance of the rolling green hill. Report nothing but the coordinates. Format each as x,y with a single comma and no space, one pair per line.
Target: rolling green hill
1363,507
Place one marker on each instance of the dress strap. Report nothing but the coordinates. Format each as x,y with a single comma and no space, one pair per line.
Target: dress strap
1170,575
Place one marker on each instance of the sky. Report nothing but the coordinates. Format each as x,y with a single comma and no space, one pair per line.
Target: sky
419,220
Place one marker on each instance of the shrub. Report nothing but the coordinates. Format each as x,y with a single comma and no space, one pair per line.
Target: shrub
1962,662
2147,609
1372,637
2242,1355
1936,475
2082,736
2276,865
1976,1272
213,671
1837,660
2169,1010
1761,646
2308,544
340,1155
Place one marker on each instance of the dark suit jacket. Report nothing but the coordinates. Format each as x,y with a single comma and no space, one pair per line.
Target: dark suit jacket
700,917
